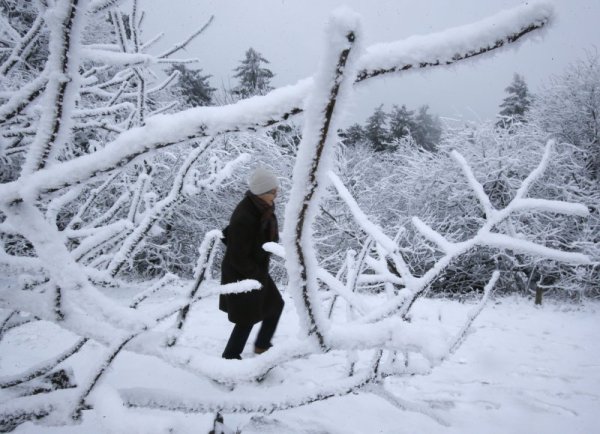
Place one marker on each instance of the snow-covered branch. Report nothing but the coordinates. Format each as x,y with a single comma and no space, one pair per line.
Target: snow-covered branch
314,156
41,368
62,87
456,44
183,44
207,254
152,216
483,198
277,106
484,237
24,46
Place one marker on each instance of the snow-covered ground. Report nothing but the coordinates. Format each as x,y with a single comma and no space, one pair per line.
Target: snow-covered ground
521,370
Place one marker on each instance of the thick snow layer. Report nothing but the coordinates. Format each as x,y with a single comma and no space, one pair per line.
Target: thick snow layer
324,108
446,46
522,369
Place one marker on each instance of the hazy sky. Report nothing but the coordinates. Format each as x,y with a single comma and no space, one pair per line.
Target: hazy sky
289,33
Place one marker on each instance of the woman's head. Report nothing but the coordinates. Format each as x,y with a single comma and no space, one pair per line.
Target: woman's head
262,181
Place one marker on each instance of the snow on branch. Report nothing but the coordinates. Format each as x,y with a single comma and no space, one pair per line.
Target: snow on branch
24,46
246,115
537,172
92,197
313,160
261,403
100,236
207,254
324,276
183,44
456,44
461,335
20,100
555,206
483,198
102,5
107,57
167,279
484,237
41,368
159,132
432,235
361,218
523,246
157,211
103,111
55,125
371,229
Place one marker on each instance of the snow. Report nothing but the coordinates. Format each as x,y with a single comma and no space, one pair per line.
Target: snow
475,185
432,235
324,109
361,218
523,369
524,246
464,41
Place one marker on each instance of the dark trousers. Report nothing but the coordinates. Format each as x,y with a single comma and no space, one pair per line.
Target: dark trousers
241,332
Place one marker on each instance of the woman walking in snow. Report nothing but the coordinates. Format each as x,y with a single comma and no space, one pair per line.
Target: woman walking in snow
252,224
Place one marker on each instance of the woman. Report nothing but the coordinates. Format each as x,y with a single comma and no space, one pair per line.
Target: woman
252,224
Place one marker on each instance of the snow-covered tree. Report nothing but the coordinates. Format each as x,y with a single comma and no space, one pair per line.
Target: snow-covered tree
353,135
569,107
427,129
402,122
376,129
382,130
254,78
515,105
193,87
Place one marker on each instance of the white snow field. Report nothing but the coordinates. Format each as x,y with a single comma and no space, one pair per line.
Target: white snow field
521,369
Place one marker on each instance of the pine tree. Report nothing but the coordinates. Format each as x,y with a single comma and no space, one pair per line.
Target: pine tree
353,135
376,131
428,130
516,104
402,122
254,79
193,86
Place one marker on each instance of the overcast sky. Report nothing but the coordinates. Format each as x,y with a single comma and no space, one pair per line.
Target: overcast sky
289,33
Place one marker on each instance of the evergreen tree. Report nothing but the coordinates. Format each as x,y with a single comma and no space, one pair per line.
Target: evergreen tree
254,79
402,122
376,131
353,135
427,130
193,86
516,104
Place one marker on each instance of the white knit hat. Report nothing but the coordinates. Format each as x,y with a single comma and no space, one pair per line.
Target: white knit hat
262,180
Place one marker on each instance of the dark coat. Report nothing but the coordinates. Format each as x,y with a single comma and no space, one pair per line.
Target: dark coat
246,259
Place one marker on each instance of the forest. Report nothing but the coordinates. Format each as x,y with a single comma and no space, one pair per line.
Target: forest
120,165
